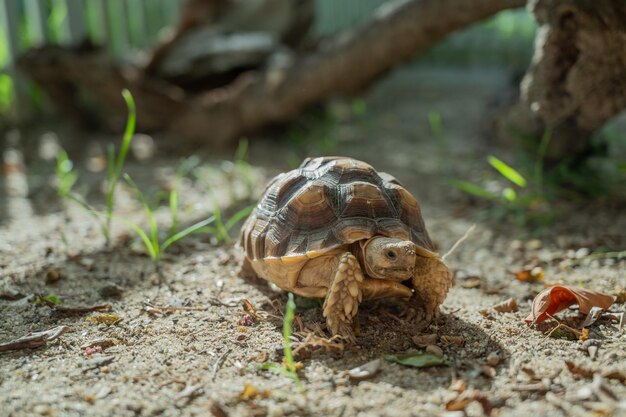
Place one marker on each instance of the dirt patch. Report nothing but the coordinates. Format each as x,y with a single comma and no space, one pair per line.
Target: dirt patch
196,357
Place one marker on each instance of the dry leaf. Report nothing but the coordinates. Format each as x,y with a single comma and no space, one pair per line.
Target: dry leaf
251,392
417,360
506,306
108,319
530,274
554,299
579,370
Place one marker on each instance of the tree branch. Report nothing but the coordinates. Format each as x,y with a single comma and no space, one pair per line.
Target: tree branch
342,65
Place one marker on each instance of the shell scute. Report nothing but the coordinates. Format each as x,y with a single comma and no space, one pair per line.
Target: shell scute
326,203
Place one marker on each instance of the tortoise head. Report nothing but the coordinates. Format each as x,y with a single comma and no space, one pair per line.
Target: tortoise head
389,258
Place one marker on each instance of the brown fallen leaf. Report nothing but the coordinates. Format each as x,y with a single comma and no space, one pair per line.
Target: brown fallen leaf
529,273
558,297
108,319
579,370
506,306
251,392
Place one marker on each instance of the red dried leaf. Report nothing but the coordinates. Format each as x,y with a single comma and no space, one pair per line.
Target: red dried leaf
554,299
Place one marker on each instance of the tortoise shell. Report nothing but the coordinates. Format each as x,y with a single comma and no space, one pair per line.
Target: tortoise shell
330,202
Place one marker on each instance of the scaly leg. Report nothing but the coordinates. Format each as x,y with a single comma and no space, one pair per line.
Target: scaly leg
431,281
343,298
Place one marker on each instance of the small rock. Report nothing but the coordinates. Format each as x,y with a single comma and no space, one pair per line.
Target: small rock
53,275
533,244
365,371
424,340
493,359
111,290
581,253
435,350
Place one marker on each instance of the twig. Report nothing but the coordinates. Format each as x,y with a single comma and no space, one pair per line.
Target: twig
188,393
458,242
576,332
218,364
81,309
34,340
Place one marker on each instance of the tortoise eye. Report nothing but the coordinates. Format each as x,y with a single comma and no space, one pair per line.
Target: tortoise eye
391,255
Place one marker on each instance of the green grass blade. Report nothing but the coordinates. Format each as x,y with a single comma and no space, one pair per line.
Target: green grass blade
287,323
434,120
154,231
509,194
66,175
507,171
235,218
187,231
152,250
187,165
473,189
242,150
128,132
173,203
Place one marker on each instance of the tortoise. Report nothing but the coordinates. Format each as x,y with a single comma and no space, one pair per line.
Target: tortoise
337,229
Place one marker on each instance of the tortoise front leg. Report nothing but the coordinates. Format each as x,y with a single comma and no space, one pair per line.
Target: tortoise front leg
431,281
344,295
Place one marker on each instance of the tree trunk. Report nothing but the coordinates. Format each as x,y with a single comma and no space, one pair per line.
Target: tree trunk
577,80
344,64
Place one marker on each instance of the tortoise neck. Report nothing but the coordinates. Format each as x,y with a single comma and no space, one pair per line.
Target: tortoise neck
358,250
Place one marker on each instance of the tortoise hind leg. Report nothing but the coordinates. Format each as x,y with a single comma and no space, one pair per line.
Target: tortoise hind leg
343,297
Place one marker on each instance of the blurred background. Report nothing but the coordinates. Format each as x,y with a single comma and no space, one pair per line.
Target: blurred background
127,28
434,121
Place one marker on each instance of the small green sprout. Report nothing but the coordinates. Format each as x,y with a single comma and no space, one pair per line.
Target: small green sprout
115,163
48,299
289,366
152,243
67,176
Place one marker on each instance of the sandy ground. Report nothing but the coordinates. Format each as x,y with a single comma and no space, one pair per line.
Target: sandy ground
197,357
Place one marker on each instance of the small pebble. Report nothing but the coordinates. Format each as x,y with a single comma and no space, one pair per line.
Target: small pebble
424,340
533,244
435,350
493,359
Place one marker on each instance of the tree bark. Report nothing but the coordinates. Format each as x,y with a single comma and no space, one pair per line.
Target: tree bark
343,65
577,80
